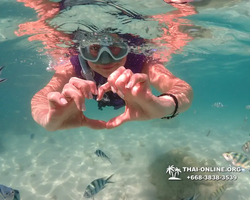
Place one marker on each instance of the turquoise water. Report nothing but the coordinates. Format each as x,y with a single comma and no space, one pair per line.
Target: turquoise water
59,165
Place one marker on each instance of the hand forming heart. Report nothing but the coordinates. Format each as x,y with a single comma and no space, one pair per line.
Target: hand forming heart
65,108
134,89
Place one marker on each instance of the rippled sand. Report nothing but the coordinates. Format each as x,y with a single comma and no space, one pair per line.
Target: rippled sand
60,165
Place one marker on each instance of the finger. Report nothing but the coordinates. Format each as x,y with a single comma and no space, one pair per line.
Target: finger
86,87
117,121
136,78
102,89
122,81
95,124
113,77
70,91
56,99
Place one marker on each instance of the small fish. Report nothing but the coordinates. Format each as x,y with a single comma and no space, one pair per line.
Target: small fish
246,147
208,133
32,136
195,196
2,79
7,193
218,105
101,154
96,186
220,191
238,159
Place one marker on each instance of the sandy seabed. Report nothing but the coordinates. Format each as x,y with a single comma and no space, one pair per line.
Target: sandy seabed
60,165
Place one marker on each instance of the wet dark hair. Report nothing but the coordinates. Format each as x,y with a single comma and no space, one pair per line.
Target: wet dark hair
130,39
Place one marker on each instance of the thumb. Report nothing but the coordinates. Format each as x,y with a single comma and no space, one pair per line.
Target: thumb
56,99
117,121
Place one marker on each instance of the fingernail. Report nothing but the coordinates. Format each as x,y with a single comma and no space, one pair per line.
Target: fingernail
97,96
113,90
128,85
64,101
120,94
96,92
83,107
90,95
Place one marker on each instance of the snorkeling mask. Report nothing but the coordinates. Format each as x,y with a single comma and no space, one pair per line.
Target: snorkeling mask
104,51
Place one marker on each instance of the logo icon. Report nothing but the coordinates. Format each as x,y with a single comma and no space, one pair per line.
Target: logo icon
173,172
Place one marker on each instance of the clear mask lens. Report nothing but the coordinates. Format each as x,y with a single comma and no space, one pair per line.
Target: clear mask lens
117,51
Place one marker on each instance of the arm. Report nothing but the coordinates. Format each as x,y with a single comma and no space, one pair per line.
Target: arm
164,81
161,78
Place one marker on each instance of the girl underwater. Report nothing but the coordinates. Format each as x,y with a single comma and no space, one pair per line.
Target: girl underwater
107,71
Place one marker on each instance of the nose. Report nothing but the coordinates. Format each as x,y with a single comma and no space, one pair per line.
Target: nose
105,58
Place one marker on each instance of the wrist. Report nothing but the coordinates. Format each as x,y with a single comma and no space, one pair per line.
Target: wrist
170,103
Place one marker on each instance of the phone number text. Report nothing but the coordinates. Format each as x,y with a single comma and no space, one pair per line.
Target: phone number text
212,177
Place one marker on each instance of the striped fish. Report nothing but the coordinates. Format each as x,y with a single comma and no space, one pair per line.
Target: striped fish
101,154
238,159
216,195
8,193
2,79
96,186
246,147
